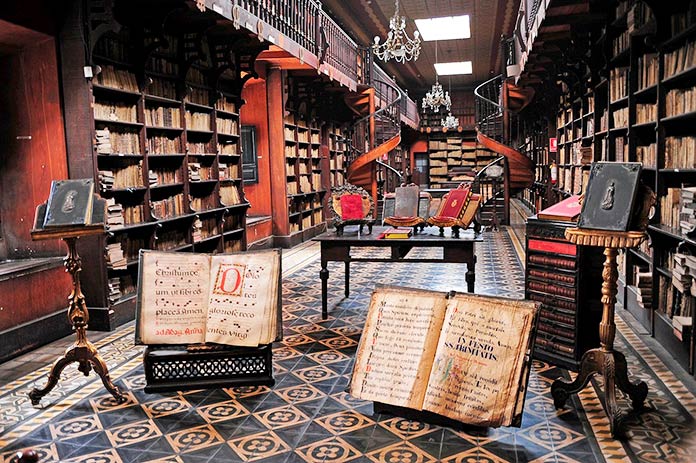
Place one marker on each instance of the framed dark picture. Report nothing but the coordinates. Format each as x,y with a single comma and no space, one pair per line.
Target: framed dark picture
250,160
610,197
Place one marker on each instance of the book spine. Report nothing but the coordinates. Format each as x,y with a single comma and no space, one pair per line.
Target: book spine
553,261
552,289
570,279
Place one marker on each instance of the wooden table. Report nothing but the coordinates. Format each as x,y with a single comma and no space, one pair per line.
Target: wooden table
337,248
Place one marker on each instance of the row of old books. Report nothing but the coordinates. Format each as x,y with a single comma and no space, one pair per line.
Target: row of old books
162,65
198,173
163,116
196,76
160,176
168,207
203,203
618,83
680,152
197,121
229,195
168,240
305,184
205,228
199,148
112,48
621,43
161,87
620,117
117,78
116,142
669,208
647,155
130,176
680,101
231,222
115,111
227,126
679,60
302,134
230,148
621,149
645,112
160,144
224,104
648,70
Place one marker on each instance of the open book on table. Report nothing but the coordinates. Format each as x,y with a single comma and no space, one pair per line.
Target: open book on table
462,356
186,298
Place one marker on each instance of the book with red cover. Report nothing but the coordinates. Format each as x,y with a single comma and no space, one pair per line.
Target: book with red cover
351,207
567,210
455,203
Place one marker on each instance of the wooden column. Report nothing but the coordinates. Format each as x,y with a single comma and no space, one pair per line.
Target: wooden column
276,145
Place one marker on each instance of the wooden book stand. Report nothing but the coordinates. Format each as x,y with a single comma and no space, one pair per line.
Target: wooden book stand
409,208
351,205
457,210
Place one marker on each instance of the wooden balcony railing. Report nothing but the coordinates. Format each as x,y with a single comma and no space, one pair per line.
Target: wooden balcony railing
311,35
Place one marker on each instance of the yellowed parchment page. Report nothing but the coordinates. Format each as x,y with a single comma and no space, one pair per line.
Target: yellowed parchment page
396,348
478,367
173,296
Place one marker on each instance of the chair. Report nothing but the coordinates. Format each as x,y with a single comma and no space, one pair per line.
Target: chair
407,207
351,205
457,210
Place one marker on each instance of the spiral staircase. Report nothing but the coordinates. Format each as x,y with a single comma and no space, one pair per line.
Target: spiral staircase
497,127
375,134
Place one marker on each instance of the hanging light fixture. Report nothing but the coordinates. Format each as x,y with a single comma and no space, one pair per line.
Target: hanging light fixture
436,97
450,122
398,46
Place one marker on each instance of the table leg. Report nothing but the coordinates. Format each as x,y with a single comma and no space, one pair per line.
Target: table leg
347,286
471,273
324,276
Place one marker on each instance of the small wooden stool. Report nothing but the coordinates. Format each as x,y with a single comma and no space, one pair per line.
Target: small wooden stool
604,359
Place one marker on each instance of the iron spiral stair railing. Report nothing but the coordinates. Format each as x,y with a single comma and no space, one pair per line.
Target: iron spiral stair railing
374,135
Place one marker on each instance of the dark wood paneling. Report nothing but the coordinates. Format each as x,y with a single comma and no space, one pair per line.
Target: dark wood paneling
29,336
33,145
32,296
259,231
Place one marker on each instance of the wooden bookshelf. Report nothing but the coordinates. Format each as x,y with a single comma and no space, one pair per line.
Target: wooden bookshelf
639,105
165,143
455,158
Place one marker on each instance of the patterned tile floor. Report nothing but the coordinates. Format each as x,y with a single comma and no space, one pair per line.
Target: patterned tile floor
307,416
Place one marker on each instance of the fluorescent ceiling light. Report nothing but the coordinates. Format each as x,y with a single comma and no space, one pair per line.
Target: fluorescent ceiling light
445,28
451,69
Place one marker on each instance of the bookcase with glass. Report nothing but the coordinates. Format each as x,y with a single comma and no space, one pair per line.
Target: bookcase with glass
167,157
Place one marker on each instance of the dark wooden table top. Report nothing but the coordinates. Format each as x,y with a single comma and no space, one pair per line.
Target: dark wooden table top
430,237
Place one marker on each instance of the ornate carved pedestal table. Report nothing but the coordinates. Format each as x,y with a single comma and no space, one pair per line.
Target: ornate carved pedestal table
82,350
604,359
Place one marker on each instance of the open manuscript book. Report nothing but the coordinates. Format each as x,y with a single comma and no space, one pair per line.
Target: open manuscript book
231,299
462,356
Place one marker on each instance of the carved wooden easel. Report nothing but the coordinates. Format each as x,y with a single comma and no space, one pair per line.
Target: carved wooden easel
81,351
605,360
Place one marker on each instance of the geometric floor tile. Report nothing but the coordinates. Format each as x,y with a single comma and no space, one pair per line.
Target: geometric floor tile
308,415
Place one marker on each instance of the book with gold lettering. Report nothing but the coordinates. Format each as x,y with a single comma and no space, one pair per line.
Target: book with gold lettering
462,356
186,298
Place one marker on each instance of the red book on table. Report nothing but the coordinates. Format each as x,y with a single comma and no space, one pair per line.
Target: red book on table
567,210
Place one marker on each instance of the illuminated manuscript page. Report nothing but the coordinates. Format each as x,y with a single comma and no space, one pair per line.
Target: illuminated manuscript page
173,298
242,289
479,361
397,346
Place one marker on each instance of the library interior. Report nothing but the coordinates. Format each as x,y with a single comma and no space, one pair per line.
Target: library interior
184,185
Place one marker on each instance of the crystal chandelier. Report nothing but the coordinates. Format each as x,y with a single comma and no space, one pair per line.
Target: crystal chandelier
450,122
398,46
436,97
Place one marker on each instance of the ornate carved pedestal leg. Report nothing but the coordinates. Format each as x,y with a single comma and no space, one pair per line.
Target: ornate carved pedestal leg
82,351
604,360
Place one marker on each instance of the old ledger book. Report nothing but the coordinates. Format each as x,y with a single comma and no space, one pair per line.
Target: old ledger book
231,299
462,356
